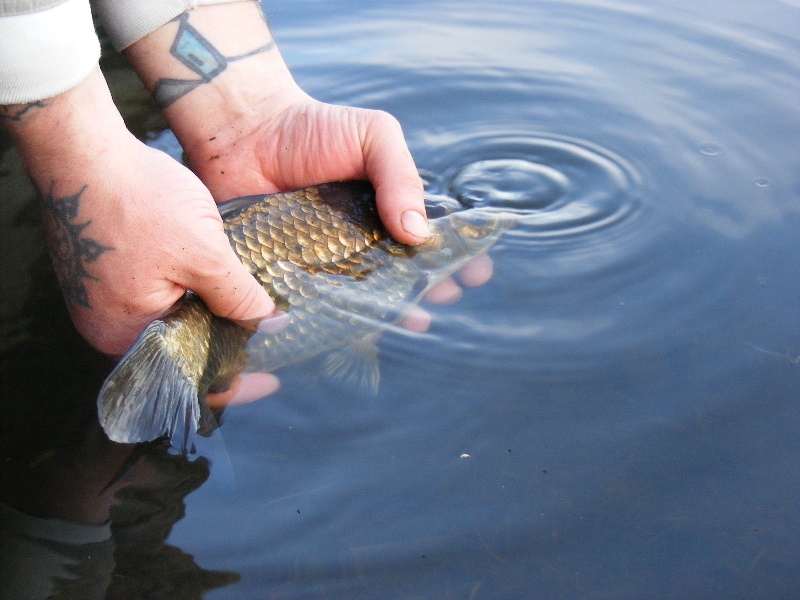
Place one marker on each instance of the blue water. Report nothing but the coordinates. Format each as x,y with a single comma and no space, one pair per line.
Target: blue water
616,414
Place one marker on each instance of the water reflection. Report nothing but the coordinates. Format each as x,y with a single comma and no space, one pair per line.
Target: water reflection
626,385
72,531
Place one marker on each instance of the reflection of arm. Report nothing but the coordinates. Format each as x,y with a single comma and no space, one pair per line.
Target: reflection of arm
38,556
53,558
59,557
101,508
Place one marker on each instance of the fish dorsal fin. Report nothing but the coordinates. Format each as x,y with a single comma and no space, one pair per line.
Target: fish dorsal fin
355,363
149,395
228,208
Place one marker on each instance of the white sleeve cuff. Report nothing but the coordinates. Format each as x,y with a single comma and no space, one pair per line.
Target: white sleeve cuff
128,21
43,54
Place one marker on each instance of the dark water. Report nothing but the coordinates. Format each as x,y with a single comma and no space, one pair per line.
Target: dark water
626,387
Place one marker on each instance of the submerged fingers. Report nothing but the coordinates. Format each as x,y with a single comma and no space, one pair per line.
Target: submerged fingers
245,388
446,291
476,271
417,320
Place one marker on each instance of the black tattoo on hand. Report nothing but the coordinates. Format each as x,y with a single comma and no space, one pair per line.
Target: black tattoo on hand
199,55
71,250
15,112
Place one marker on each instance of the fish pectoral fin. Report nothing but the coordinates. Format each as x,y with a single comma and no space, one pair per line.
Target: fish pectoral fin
355,363
148,395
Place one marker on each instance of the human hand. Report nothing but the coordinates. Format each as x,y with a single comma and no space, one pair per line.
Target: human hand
129,228
311,142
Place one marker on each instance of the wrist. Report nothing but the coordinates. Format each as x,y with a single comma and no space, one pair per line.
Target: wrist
213,69
68,131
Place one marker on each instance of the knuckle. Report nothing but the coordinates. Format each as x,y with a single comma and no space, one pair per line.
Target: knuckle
385,120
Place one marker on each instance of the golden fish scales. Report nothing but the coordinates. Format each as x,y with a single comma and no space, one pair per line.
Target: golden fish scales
309,230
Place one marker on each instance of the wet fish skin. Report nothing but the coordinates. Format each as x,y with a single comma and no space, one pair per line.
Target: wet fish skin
325,258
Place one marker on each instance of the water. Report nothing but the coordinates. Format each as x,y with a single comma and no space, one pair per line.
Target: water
613,415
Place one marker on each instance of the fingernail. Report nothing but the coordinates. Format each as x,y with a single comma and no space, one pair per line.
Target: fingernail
273,323
415,224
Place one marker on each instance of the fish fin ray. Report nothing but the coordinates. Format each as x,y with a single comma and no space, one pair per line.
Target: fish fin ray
148,395
355,363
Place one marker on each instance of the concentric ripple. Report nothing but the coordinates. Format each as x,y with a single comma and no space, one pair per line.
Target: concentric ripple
561,187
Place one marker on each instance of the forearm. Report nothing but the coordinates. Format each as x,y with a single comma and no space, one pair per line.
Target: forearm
73,146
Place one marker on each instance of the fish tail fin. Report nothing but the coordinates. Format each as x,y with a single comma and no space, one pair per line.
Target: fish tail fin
151,394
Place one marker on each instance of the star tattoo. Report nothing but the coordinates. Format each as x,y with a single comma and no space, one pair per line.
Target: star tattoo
72,250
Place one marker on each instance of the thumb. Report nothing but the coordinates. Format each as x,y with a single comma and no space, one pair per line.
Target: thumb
390,167
230,291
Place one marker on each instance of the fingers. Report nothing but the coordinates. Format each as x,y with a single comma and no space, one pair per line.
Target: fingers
476,271
227,287
245,388
390,168
417,320
446,291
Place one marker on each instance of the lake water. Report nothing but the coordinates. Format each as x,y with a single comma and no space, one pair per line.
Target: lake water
616,414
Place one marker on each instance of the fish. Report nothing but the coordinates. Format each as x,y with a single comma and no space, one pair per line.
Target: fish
327,261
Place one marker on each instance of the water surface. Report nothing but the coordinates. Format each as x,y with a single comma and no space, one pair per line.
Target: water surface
614,415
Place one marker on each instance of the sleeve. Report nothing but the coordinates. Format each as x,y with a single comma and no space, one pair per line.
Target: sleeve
46,48
128,21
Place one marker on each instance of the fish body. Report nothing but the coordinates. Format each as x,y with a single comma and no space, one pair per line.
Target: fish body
327,261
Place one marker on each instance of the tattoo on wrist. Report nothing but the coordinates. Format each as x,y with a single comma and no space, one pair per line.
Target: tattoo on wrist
15,112
71,249
199,55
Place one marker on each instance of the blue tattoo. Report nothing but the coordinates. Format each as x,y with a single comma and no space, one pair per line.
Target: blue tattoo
200,56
